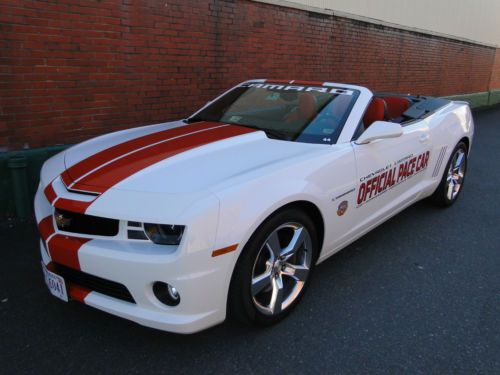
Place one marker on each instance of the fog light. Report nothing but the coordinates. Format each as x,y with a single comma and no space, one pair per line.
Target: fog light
173,292
166,293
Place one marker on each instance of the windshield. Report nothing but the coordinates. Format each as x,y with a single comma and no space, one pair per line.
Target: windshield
290,112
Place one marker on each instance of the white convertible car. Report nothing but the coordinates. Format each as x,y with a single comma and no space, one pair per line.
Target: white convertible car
177,225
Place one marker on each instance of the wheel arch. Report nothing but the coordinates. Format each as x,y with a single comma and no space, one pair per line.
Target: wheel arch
312,211
467,142
308,207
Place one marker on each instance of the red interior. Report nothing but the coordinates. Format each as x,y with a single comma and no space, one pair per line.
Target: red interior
396,106
376,111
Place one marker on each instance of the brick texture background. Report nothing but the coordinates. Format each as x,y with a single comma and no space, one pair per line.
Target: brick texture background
495,73
73,69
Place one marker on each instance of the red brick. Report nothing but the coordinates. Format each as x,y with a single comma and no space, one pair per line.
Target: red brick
76,69
495,72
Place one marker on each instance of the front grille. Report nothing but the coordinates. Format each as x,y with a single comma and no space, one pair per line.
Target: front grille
97,284
85,224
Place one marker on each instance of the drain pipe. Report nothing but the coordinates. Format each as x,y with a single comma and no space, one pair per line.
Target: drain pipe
17,165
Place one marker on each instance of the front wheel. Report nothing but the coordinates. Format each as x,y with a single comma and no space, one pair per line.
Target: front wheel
274,268
453,178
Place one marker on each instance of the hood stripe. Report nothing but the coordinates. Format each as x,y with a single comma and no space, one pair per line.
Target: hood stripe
50,193
85,166
72,185
72,205
119,169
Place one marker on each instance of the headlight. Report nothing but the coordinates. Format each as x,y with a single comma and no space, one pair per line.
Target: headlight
164,234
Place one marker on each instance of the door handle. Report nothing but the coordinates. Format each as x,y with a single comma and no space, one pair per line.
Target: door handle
424,138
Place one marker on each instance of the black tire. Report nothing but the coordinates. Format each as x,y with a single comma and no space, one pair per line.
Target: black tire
241,304
441,196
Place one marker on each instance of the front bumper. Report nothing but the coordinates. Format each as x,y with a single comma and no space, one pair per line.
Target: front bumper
195,312
200,279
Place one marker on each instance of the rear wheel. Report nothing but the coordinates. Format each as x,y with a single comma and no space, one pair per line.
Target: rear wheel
274,268
453,178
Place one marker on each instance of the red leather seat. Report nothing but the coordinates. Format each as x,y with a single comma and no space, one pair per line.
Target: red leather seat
376,111
306,108
396,106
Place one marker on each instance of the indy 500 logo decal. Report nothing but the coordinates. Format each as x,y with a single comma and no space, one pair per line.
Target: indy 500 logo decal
386,178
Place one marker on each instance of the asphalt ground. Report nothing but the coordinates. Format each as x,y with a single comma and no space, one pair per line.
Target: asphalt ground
419,294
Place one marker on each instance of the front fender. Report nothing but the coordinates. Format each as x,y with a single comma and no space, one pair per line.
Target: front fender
242,212
52,168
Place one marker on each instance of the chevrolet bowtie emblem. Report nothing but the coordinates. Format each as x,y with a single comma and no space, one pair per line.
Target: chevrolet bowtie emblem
62,221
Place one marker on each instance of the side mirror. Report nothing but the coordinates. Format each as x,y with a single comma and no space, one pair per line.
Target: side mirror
380,130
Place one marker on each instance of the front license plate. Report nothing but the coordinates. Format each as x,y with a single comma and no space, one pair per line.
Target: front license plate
55,283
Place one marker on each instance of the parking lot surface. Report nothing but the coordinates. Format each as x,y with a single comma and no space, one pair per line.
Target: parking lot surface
419,294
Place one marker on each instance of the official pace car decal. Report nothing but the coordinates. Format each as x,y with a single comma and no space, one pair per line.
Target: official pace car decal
378,182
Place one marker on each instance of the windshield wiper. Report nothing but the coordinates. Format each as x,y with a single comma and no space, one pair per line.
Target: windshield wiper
276,134
190,120
270,132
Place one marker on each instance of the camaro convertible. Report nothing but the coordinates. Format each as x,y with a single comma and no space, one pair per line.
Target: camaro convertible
226,213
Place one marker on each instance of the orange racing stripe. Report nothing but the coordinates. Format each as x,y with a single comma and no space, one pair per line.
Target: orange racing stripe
72,205
64,250
105,156
77,292
109,175
50,193
46,227
169,143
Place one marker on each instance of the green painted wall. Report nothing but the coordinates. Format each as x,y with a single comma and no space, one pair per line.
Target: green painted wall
479,99
494,97
34,158
475,100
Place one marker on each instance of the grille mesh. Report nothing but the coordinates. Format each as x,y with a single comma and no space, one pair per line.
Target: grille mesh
85,224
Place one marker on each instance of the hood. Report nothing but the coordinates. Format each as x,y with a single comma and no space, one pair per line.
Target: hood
174,158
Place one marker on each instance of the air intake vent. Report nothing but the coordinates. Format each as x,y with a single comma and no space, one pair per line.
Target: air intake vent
94,283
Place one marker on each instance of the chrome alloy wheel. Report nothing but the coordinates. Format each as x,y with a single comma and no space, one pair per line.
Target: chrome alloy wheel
281,268
456,174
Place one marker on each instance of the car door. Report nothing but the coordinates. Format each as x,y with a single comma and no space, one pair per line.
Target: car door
390,173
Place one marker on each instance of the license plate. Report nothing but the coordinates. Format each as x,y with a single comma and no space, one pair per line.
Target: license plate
55,283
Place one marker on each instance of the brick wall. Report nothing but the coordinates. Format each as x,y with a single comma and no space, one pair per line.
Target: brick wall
74,69
495,73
